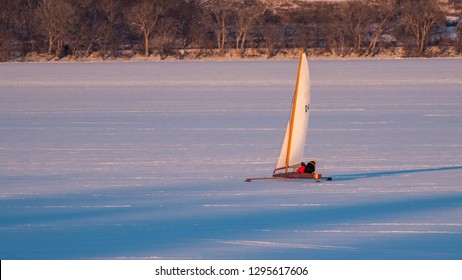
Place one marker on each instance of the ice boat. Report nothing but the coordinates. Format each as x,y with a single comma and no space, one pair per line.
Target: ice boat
293,146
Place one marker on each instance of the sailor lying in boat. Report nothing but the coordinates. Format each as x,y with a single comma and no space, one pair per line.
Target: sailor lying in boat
310,167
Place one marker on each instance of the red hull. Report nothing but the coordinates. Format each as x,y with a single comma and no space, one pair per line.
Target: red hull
295,175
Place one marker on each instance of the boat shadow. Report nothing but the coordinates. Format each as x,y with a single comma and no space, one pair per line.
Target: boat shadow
348,177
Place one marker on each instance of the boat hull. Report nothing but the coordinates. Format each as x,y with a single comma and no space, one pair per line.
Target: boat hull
295,175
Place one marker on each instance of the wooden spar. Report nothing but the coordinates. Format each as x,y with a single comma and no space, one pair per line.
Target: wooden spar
293,175
292,118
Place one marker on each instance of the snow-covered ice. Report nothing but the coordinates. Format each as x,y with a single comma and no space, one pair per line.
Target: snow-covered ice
148,160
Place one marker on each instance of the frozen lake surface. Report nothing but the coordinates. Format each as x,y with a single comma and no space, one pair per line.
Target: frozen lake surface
148,160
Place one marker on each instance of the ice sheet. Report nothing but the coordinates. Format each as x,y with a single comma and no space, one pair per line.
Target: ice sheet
148,160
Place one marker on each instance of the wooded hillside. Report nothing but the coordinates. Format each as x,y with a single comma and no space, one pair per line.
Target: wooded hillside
78,29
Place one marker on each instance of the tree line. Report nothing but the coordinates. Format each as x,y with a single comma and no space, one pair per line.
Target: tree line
123,28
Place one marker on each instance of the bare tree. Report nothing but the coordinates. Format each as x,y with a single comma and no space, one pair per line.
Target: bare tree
383,11
92,30
167,30
358,16
246,13
219,11
112,10
337,26
144,15
57,18
273,34
418,17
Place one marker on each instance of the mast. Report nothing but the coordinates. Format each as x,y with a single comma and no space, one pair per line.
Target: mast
292,118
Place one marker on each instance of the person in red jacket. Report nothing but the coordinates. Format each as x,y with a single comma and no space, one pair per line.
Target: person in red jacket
310,167
301,169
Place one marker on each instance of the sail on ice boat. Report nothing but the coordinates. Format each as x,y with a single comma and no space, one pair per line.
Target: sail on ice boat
293,147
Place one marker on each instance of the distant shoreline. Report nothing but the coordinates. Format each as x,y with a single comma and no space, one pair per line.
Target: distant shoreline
233,55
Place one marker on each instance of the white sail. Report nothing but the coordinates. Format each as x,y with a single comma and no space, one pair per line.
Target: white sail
293,147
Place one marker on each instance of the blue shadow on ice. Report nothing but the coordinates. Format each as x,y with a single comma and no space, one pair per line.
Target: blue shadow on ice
158,227
348,177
